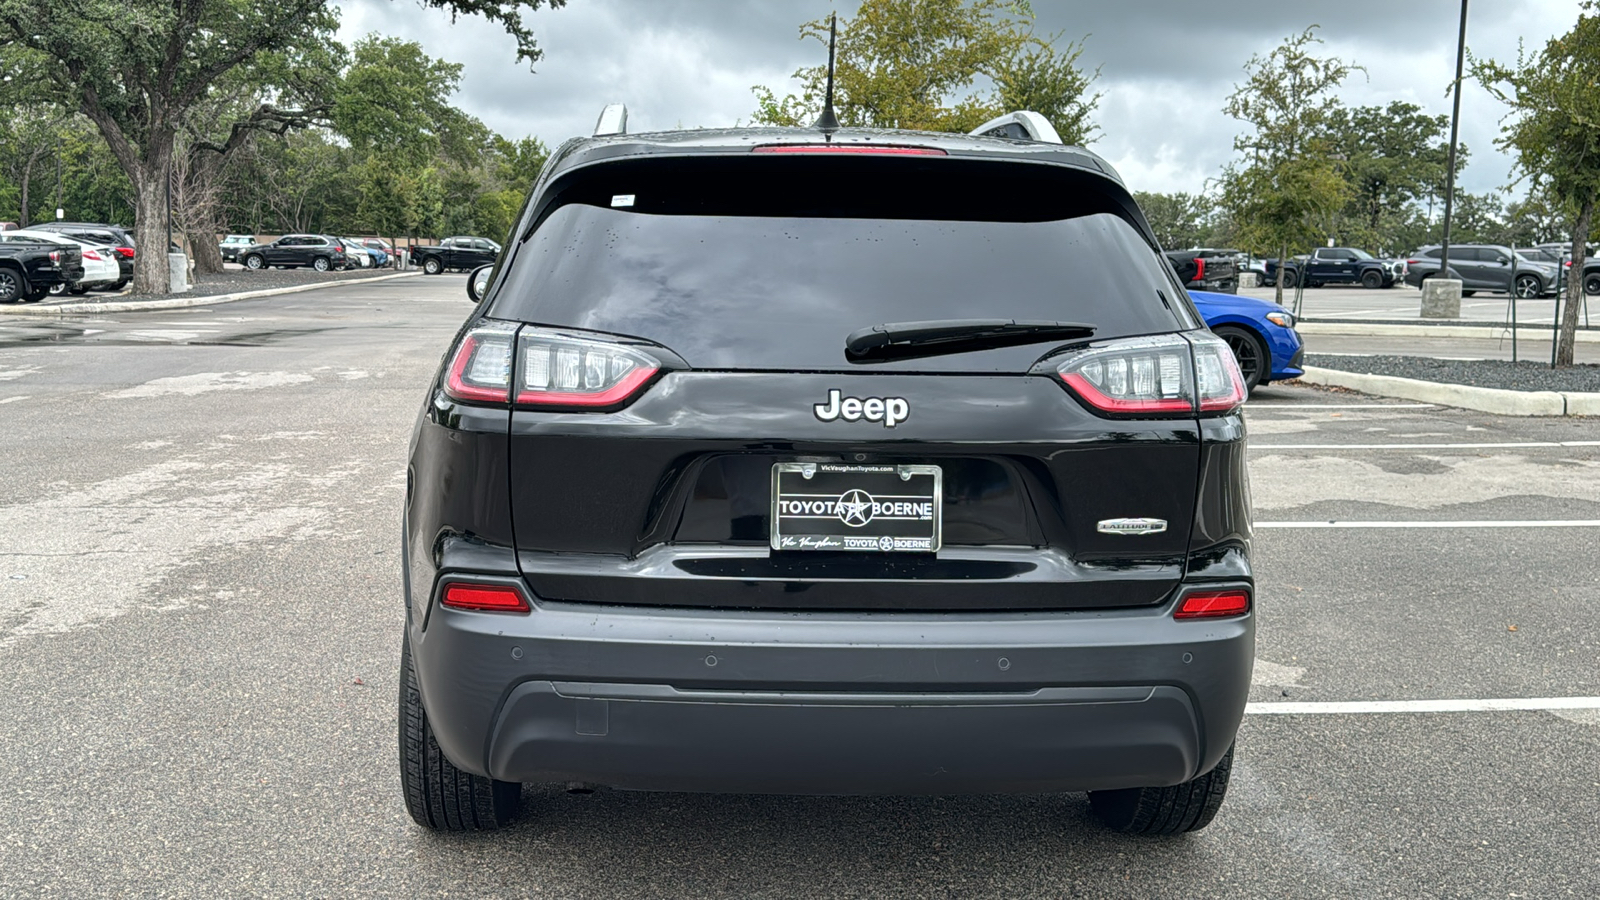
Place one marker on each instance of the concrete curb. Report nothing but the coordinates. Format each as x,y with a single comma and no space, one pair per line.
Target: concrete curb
69,309
1483,332
1491,400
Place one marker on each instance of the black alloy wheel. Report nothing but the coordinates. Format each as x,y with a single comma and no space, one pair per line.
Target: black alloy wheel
10,286
1249,350
1529,286
255,262
321,264
1372,279
1591,283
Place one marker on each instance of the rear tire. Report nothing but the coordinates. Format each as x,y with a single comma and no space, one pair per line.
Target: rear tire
1289,278
321,264
1371,280
1166,810
1591,283
438,795
432,266
1250,351
255,262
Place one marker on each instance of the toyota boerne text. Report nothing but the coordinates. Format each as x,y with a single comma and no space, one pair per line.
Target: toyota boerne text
828,461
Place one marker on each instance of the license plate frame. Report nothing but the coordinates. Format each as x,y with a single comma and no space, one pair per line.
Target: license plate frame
905,515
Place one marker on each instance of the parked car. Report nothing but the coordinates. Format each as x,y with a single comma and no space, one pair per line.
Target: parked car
119,239
99,261
790,519
356,254
1484,267
294,251
28,269
1260,333
1206,270
459,254
382,247
375,259
1339,265
233,243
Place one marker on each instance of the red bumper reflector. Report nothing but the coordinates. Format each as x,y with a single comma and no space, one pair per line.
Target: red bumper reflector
1213,605
485,598
858,149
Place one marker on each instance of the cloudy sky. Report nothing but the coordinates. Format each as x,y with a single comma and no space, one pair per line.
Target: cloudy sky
1166,65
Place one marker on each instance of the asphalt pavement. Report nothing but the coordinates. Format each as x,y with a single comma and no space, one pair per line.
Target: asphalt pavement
200,624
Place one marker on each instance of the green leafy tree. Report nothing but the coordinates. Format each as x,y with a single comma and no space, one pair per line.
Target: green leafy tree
1392,156
139,69
1179,220
1287,186
914,64
1554,128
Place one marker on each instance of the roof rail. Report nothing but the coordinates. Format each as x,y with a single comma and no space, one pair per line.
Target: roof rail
613,120
1020,125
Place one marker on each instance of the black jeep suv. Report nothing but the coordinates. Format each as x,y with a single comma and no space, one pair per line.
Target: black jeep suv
839,463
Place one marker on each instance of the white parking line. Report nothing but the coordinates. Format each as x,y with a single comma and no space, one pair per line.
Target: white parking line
1369,707
1503,445
1289,405
1460,523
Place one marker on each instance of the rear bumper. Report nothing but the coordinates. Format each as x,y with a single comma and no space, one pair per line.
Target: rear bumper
833,703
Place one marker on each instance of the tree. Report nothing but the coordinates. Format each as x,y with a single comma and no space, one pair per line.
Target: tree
913,64
1554,128
1287,187
139,68
1392,156
1179,220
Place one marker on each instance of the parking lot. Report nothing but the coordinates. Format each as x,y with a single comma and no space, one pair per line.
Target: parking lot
200,625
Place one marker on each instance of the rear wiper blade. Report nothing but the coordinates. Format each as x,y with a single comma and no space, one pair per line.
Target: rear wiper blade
909,340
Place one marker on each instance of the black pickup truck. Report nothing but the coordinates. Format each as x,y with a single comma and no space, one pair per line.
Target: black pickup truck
1206,270
1339,265
459,253
28,270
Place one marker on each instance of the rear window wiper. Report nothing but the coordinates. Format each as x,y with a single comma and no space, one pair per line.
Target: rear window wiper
936,337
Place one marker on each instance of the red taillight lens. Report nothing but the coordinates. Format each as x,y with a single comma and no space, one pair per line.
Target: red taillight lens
1213,605
480,369
1413,262
1199,269
857,149
1132,376
55,256
127,252
557,369
90,254
485,598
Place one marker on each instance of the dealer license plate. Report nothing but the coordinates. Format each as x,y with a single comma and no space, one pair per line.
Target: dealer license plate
880,509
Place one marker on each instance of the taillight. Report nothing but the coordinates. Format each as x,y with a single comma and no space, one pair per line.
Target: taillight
1167,374
1213,604
1219,383
480,370
126,252
556,369
55,256
90,254
485,598
1413,262
1199,269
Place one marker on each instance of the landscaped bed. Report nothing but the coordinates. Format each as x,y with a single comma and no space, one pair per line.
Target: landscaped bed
1486,373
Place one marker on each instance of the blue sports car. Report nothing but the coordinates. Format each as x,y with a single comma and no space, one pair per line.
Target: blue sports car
1260,332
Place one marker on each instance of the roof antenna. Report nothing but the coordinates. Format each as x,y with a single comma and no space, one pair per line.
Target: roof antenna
828,123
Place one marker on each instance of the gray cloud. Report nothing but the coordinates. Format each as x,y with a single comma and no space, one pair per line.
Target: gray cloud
1166,65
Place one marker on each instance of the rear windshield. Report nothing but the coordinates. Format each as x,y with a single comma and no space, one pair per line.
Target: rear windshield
726,286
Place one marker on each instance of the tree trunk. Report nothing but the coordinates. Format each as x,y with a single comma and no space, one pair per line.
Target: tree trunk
203,244
27,176
150,272
1569,316
1283,263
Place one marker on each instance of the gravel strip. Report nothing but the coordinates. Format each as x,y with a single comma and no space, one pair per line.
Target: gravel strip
1487,373
230,282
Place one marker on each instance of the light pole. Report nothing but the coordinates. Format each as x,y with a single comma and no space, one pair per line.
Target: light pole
1455,128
